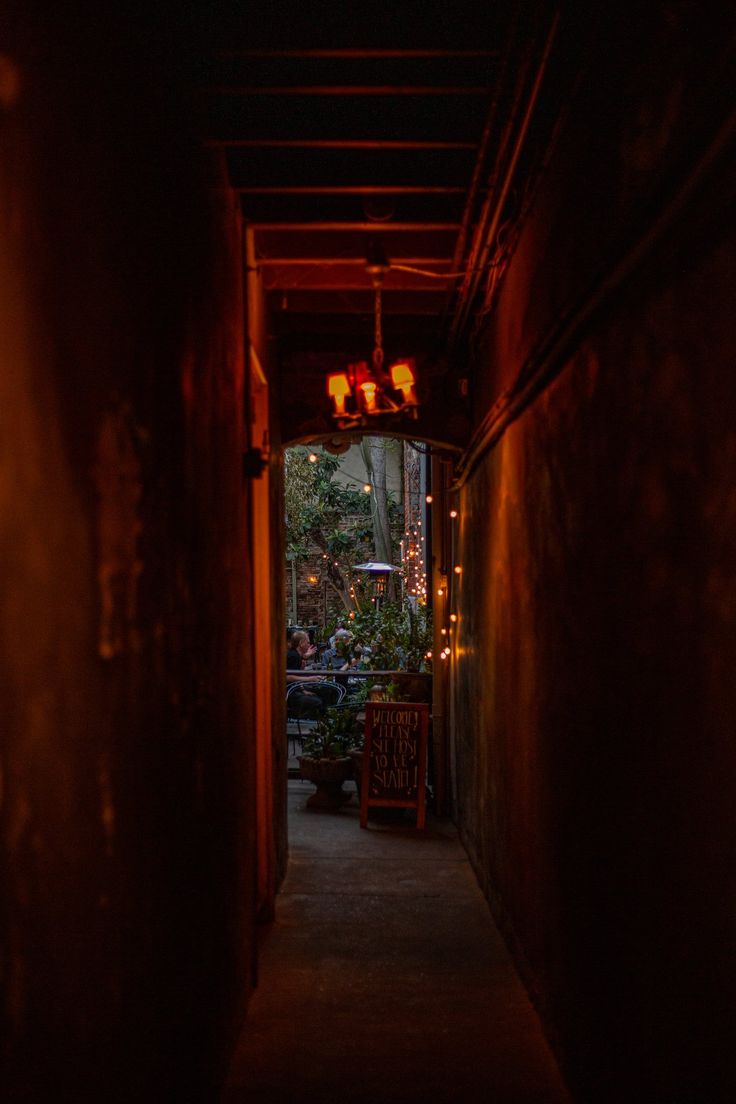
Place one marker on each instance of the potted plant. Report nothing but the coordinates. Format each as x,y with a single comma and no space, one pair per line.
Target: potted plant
325,760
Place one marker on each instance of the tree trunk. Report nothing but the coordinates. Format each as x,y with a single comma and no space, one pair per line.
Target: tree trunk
374,456
335,577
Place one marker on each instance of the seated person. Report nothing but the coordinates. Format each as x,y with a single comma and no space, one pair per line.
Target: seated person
312,701
357,660
333,661
342,632
299,651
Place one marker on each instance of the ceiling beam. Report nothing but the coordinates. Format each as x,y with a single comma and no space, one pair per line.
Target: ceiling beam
357,260
424,301
355,52
348,189
336,143
350,90
317,245
338,276
375,227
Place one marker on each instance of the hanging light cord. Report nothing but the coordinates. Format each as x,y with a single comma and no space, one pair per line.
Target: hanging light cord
433,275
378,336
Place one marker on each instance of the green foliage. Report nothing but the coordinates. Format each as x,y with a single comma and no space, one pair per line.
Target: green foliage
335,734
316,501
318,505
399,638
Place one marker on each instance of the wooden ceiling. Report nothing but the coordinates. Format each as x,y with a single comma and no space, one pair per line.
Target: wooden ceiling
381,129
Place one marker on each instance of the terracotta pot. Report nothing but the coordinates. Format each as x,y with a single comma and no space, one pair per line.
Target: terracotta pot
328,776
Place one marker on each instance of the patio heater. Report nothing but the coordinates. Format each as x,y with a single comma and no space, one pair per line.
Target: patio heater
379,573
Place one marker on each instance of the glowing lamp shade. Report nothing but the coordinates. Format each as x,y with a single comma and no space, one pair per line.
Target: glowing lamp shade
403,380
368,391
338,388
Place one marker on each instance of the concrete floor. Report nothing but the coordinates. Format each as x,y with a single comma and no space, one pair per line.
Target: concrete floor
383,978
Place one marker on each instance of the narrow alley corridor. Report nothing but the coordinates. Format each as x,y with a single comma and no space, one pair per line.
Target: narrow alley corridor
384,978
504,234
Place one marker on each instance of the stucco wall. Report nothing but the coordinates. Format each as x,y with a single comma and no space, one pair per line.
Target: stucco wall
127,825
593,703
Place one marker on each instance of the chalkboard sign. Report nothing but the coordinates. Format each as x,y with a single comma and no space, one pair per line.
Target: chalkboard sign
394,758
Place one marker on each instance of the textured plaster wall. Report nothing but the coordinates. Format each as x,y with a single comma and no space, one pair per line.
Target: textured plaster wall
126,774
593,701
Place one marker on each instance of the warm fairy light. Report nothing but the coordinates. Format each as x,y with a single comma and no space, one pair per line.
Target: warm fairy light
440,592
367,488
453,513
351,615
443,655
444,632
453,617
428,499
313,458
458,570
427,655
312,580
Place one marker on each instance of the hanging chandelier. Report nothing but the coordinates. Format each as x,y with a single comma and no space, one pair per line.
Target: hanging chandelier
364,390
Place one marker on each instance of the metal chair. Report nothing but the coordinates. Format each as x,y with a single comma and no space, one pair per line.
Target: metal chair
297,712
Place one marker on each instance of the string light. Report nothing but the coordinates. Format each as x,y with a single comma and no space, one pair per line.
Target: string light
312,458
458,569
412,548
453,513
428,499
453,617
